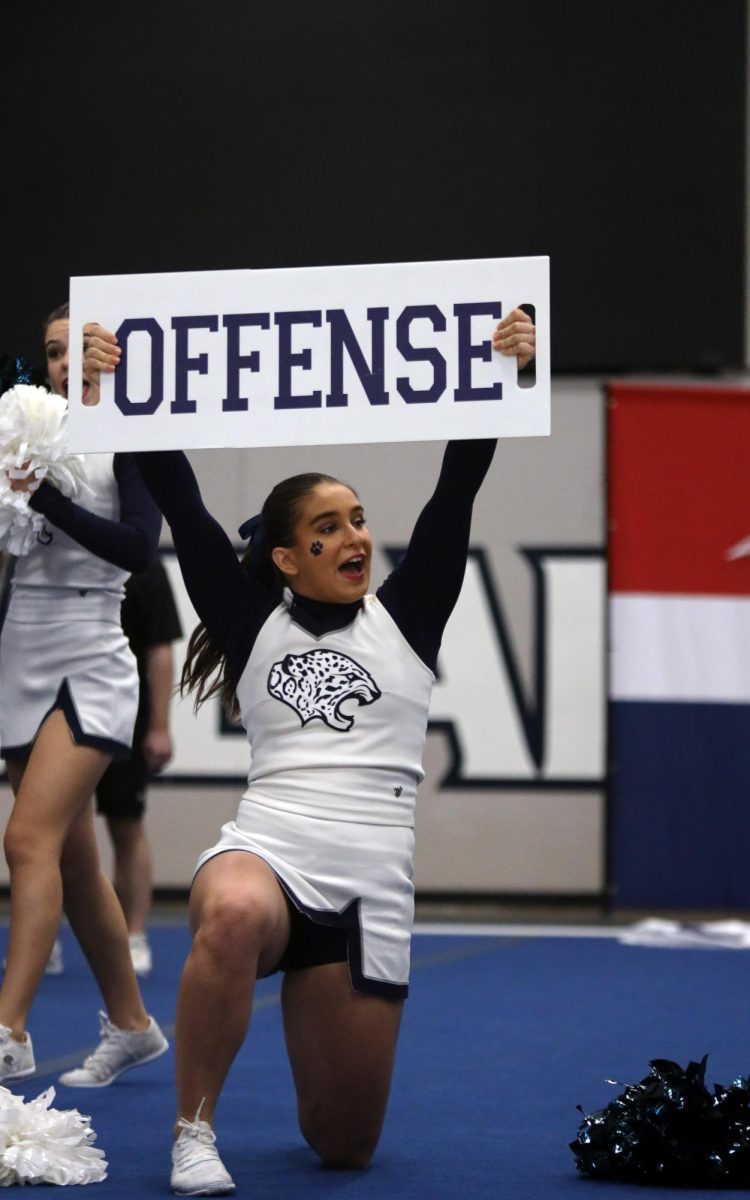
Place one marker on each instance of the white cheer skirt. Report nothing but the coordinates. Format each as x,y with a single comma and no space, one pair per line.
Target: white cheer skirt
65,649
346,875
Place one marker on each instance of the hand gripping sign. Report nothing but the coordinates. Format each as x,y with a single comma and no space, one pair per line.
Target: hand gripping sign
310,356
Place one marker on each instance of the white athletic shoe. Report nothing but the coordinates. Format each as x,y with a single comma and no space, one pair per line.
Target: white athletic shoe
16,1058
197,1169
55,962
140,953
119,1050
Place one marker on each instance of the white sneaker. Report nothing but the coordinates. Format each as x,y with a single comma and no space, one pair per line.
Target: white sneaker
16,1058
119,1050
197,1169
140,953
55,962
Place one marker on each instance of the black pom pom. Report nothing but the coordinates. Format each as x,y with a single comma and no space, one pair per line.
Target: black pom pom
670,1130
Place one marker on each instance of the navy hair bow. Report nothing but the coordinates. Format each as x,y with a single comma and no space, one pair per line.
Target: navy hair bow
248,528
17,370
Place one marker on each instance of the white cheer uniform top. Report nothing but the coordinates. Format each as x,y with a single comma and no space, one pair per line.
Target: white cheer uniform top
56,560
336,722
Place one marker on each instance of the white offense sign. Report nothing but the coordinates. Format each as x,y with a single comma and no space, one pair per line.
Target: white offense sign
311,356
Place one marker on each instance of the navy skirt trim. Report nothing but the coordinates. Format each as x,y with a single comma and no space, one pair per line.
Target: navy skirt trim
64,702
308,948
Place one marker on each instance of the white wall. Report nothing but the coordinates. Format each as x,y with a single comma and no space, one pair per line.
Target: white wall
507,825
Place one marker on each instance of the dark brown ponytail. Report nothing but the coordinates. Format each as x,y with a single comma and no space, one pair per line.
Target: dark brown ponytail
278,517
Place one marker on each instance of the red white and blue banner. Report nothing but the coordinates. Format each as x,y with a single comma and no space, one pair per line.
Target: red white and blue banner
679,561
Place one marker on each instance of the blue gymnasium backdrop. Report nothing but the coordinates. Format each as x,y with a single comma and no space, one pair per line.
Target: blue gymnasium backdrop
679,549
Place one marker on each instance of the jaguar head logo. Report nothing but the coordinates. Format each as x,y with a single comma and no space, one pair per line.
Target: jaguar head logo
318,683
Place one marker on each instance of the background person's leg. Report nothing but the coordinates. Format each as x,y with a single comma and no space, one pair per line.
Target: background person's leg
133,884
53,789
96,918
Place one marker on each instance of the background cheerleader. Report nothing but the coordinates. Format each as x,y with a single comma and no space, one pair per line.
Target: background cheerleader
68,698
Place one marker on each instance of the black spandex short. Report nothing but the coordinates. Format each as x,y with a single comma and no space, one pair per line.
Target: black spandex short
310,944
121,791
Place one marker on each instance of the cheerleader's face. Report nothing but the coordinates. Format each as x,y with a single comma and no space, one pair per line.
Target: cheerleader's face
331,556
56,349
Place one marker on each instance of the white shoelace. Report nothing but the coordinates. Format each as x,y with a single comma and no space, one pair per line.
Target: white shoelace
197,1131
202,1132
108,1054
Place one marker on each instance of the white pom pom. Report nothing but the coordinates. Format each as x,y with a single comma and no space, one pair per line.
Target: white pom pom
41,1144
19,523
33,440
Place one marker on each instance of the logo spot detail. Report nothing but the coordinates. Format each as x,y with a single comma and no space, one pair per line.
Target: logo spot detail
316,685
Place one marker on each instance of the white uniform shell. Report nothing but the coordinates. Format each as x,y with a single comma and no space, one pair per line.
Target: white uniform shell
61,561
337,725
62,642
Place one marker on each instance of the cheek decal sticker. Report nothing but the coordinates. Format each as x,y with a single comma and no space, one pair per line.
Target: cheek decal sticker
316,548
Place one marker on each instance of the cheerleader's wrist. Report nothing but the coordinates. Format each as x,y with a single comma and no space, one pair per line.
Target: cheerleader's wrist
47,499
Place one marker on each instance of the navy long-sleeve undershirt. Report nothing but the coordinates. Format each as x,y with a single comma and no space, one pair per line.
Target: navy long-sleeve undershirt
129,543
419,594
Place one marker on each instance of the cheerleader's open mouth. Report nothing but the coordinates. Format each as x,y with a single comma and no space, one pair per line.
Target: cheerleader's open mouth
85,388
354,568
